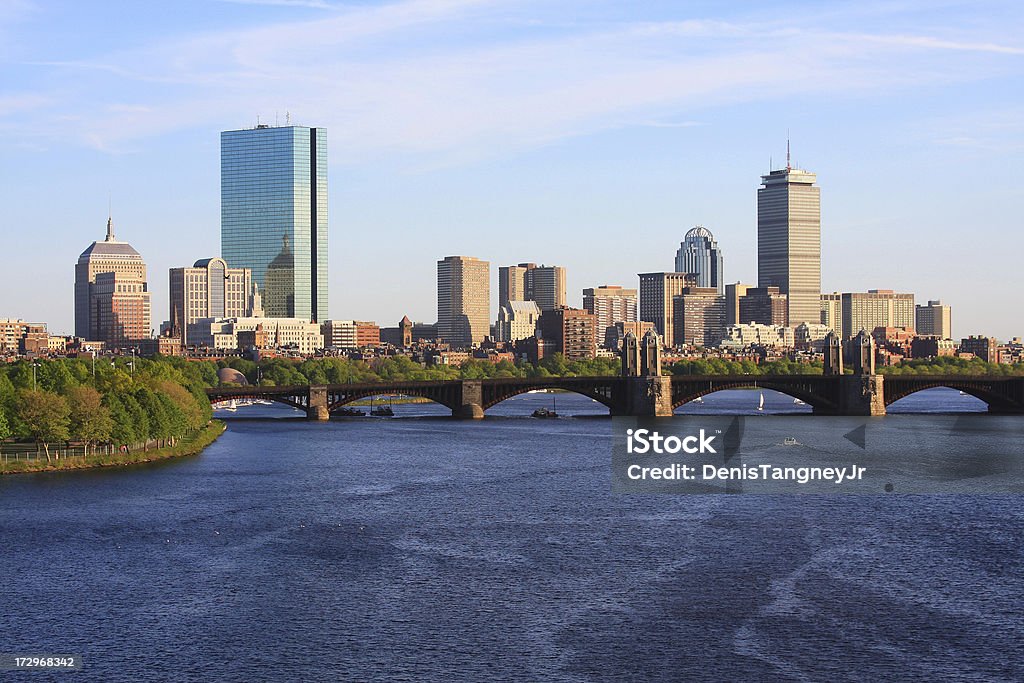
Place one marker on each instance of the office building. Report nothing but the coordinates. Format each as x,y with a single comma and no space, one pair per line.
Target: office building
571,331
789,241
610,304
934,319
463,300
656,293
274,215
698,317
876,308
764,305
517,320
122,301
120,309
210,289
733,292
699,254
832,312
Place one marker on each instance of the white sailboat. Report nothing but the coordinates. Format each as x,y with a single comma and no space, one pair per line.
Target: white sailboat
233,406
760,402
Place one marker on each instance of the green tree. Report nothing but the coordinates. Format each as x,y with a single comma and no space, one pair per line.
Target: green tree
124,431
5,428
90,419
44,416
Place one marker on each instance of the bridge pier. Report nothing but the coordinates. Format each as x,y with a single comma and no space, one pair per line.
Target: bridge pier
645,396
859,395
471,401
316,409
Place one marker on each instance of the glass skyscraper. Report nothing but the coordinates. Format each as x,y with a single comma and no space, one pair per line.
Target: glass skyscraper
273,215
699,254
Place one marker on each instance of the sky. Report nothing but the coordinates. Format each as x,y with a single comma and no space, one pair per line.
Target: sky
590,134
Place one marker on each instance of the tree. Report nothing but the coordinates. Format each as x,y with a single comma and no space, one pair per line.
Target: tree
45,417
90,419
5,428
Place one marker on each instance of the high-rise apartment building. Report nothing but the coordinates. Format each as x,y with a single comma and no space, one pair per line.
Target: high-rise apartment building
571,332
210,289
610,304
934,319
699,254
876,308
698,316
111,293
656,293
789,240
274,214
463,300
530,282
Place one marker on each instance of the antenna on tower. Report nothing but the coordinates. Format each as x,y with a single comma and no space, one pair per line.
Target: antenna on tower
287,118
788,167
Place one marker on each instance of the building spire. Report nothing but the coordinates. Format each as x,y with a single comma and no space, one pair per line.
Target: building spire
788,166
110,229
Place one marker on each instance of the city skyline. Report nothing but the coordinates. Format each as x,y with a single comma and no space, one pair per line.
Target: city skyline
84,115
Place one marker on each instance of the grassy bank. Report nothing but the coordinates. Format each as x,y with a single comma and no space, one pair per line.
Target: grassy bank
189,445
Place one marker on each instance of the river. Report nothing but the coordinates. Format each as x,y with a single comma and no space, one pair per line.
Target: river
422,548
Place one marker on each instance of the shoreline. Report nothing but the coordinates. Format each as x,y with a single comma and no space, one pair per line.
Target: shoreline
184,448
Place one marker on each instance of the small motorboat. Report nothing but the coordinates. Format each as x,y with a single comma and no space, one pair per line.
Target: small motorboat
544,413
350,412
699,399
798,402
382,411
790,441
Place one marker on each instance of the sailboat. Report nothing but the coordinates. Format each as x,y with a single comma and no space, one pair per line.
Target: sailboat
760,402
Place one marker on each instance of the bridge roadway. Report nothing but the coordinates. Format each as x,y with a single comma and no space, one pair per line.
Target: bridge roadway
645,396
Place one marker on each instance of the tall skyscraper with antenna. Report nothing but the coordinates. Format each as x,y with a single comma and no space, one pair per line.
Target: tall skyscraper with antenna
273,207
789,239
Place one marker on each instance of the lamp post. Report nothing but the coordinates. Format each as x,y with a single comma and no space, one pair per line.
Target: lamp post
35,364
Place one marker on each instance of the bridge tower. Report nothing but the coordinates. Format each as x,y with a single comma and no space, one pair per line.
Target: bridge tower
833,350
630,355
862,393
644,391
650,355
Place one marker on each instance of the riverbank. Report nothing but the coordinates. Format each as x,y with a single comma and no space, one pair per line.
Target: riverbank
189,445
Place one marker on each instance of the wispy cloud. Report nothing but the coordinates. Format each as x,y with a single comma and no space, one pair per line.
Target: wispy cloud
410,77
312,4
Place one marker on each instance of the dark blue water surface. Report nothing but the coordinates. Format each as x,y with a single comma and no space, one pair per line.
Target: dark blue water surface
422,548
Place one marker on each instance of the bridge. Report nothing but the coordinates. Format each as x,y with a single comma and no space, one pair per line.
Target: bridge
656,395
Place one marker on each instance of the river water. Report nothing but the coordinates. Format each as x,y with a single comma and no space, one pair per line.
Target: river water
421,548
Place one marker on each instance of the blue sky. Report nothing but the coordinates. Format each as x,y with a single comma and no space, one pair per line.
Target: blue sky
588,134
